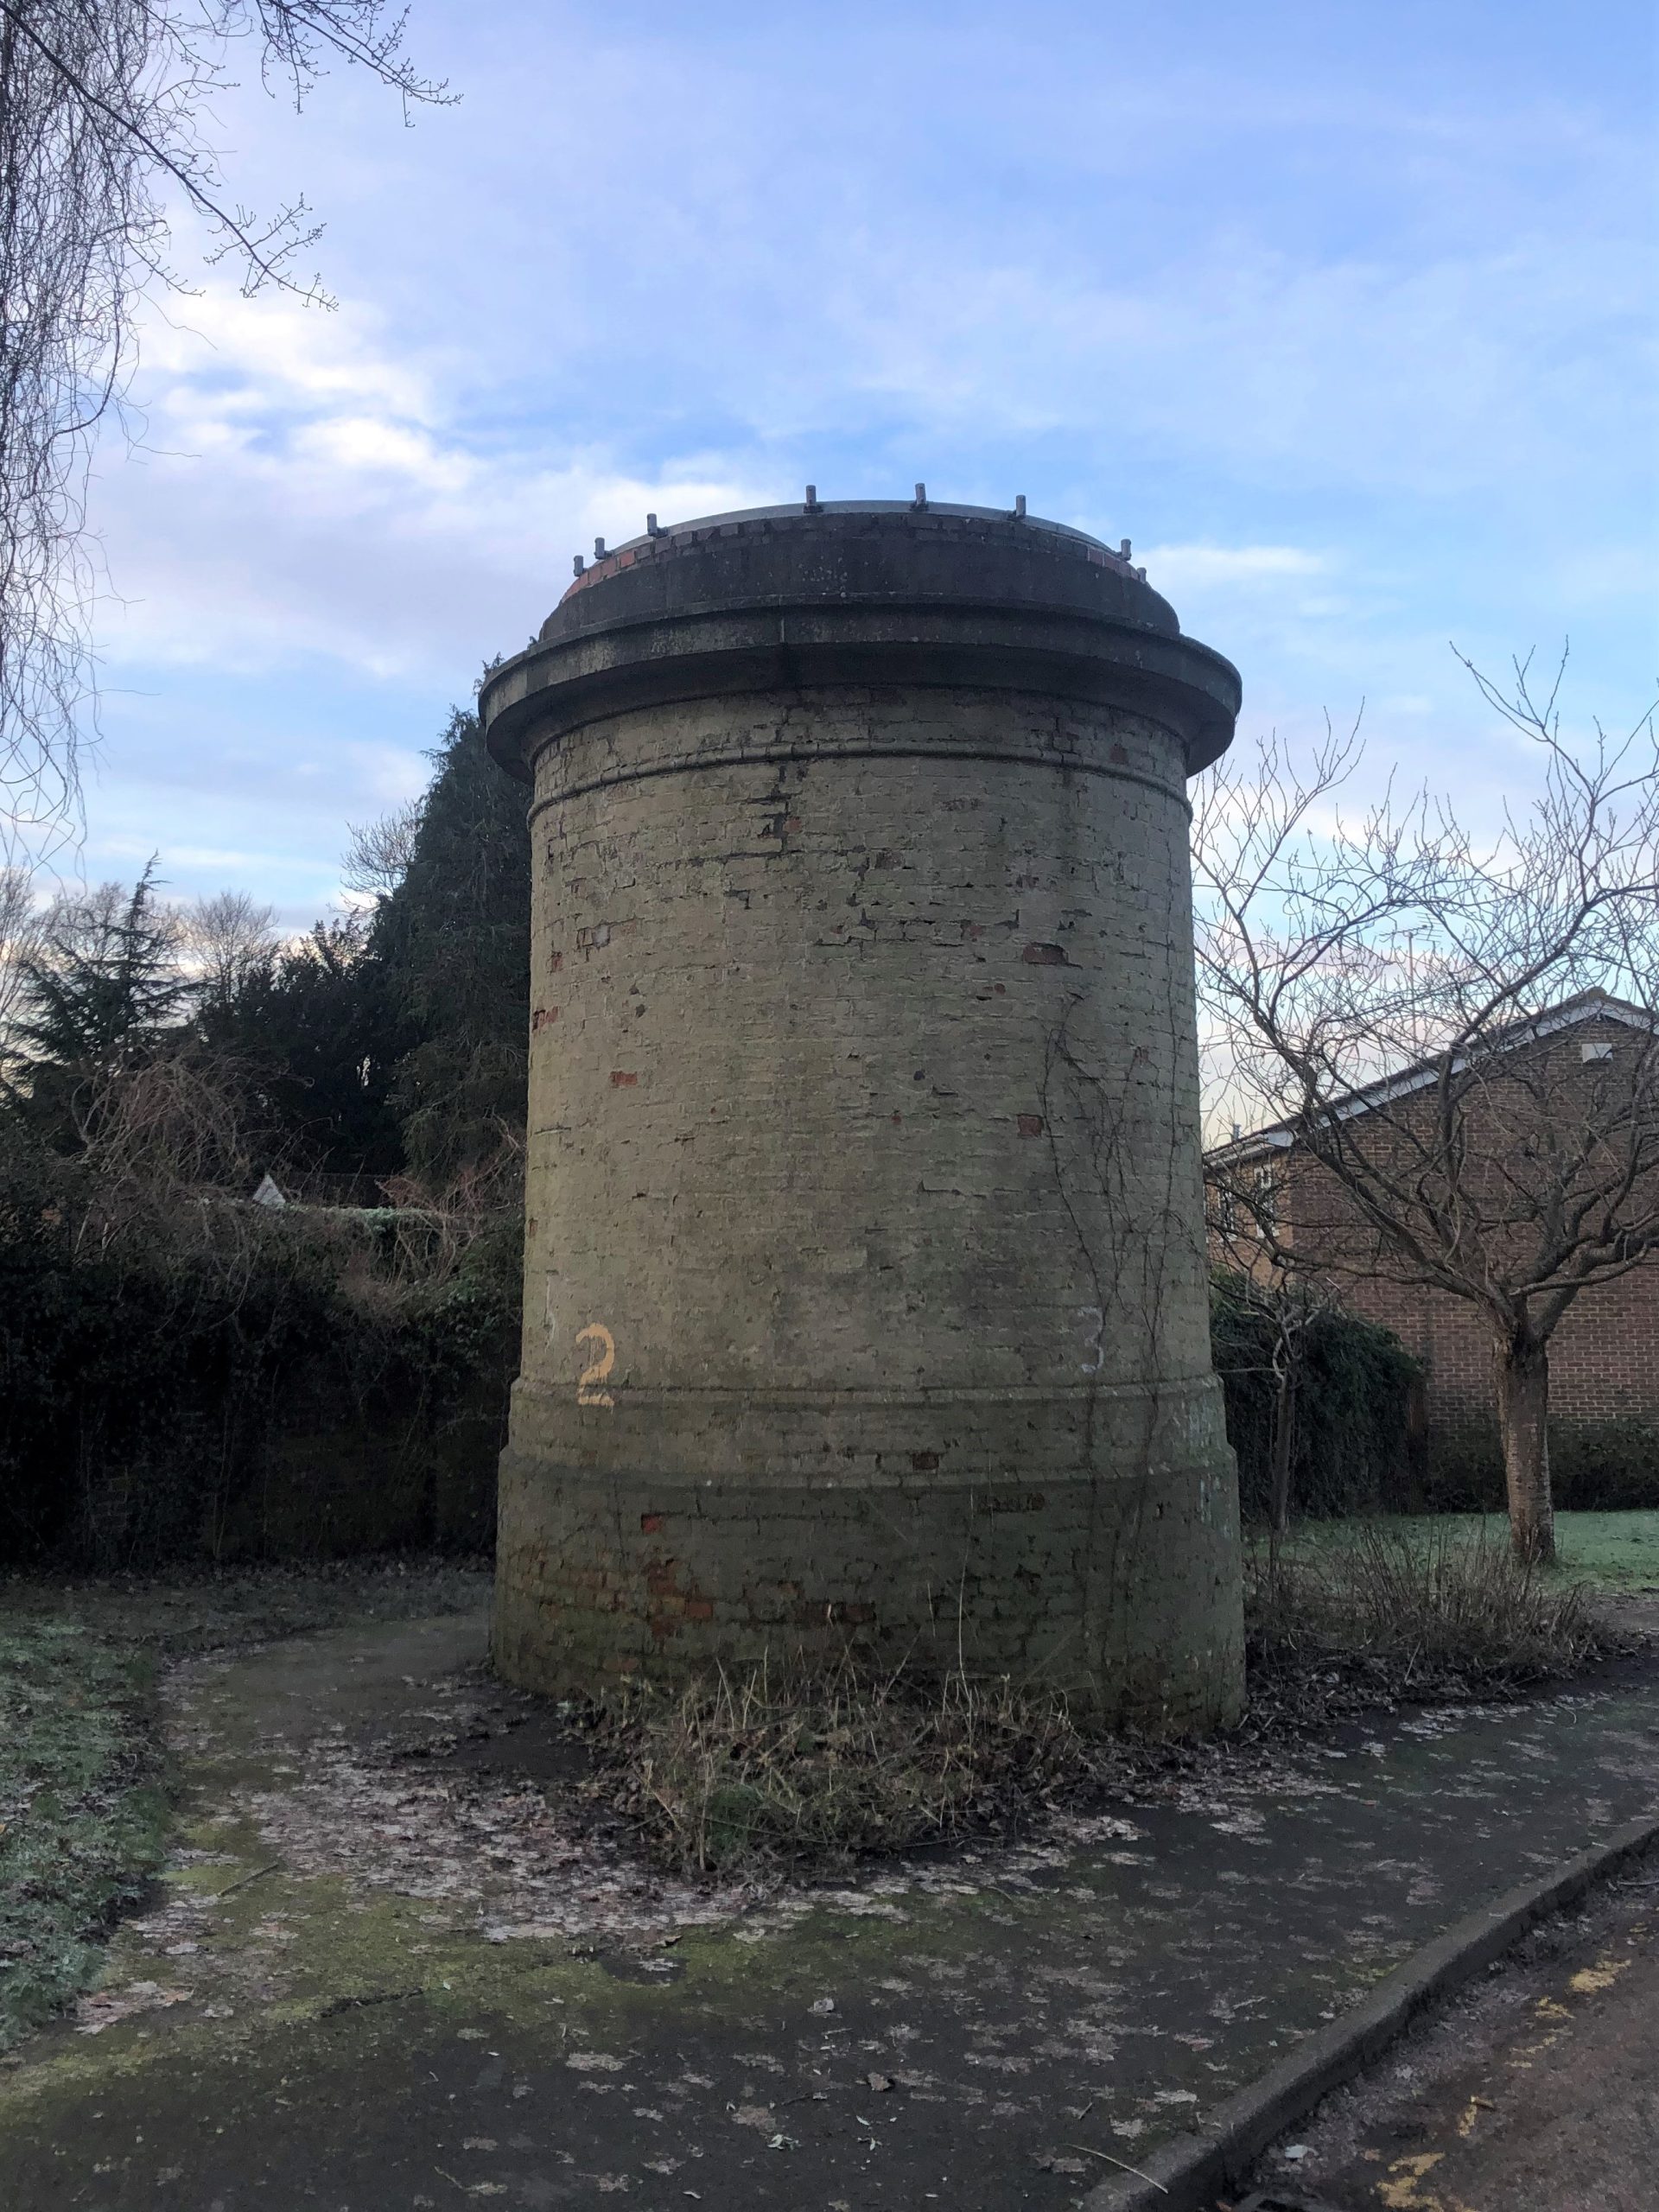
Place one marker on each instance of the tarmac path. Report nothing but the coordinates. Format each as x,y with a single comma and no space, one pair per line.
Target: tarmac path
373,1979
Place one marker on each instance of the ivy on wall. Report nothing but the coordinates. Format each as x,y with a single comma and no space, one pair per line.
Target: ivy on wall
1350,1450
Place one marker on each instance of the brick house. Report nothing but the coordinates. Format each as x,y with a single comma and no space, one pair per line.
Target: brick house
1547,1089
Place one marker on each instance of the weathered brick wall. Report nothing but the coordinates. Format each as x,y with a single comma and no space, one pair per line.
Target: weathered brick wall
865,1275
1604,1357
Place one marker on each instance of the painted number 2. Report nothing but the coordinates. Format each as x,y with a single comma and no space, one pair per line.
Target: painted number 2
588,1392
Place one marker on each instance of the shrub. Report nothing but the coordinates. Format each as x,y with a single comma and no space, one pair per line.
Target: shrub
1350,1449
1427,1610
1596,1466
184,1375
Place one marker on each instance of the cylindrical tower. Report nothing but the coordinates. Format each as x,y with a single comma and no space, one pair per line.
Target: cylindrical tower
865,1271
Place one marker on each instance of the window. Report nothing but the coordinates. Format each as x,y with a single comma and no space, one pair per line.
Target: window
1588,1052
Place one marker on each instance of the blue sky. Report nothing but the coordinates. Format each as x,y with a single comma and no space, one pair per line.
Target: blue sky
1344,313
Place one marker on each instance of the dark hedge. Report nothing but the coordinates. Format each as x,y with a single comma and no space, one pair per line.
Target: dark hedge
1351,1450
218,1382
238,1382
1595,1467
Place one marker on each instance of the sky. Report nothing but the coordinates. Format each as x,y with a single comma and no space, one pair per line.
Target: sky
1343,313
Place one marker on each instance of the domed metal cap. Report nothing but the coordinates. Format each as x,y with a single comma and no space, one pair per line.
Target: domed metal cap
859,592
879,551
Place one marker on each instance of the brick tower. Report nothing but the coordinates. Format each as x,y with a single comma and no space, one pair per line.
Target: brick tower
865,1285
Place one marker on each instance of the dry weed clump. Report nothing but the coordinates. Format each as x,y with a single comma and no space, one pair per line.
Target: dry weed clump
1430,1610
783,1764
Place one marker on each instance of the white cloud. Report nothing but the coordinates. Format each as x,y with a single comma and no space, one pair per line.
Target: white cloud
275,348
365,446
298,496
1176,568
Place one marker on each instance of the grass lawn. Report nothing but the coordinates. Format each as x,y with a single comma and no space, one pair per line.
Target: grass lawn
1617,1551
1609,1551
83,1816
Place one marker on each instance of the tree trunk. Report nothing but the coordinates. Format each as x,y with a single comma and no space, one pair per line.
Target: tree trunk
1284,1433
1522,1419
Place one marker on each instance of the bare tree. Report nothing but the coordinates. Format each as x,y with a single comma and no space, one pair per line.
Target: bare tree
21,934
1449,1045
379,855
225,940
175,1123
1244,1238
103,105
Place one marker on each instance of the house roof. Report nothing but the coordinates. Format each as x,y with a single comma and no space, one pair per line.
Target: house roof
1586,1006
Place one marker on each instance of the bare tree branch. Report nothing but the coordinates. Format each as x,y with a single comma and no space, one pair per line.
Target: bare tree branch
1387,992
379,853
101,109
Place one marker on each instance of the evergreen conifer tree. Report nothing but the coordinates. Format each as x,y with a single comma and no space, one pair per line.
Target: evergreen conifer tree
454,937
102,993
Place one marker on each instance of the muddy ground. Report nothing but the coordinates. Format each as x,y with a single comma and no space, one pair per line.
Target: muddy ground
1535,2092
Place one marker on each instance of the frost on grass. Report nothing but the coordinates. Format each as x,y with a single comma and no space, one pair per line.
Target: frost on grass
82,1816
